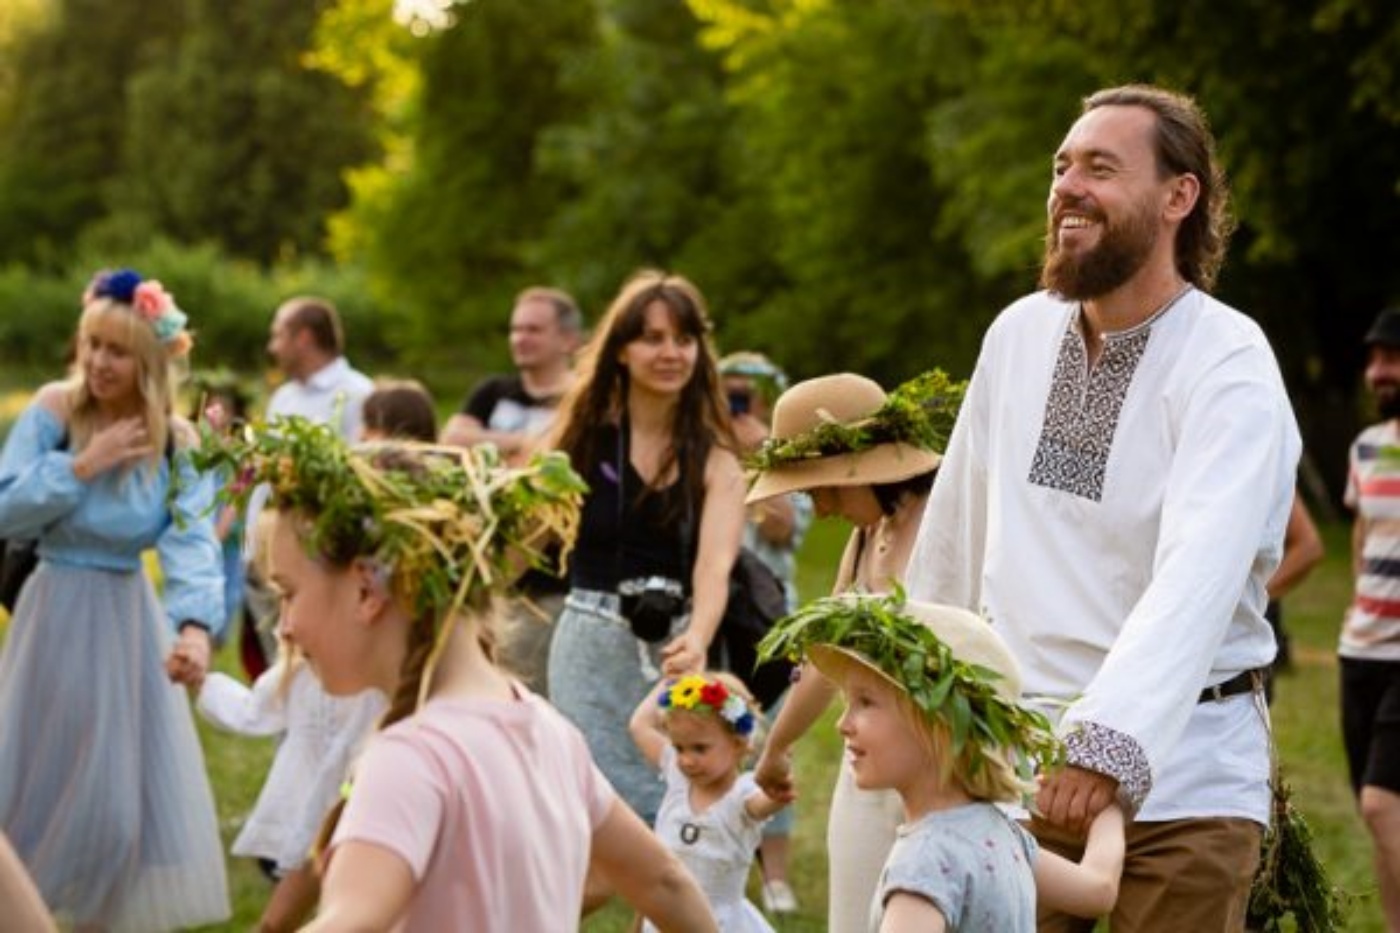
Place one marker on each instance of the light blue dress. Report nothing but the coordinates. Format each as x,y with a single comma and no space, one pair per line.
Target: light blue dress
103,790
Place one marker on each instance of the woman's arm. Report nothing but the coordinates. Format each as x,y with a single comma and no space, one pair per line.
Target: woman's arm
20,903
1089,888
721,530
367,888
633,861
805,703
1302,549
645,726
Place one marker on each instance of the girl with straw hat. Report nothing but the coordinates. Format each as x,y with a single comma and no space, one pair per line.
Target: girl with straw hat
933,714
869,458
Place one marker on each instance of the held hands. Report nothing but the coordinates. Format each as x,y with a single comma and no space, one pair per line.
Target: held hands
773,774
1072,797
118,444
189,659
684,654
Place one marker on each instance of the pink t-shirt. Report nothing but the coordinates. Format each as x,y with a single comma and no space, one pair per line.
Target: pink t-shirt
491,803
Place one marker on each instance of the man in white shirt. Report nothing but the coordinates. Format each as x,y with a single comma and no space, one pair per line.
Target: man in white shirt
308,344
1113,499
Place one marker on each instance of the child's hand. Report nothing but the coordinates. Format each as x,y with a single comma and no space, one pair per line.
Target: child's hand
189,659
773,774
683,655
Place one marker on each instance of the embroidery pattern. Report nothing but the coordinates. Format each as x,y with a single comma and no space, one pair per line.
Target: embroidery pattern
1081,413
1098,748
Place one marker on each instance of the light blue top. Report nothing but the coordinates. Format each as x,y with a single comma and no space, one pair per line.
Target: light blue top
106,523
973,862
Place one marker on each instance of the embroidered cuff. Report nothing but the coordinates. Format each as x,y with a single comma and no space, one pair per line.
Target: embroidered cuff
1098,748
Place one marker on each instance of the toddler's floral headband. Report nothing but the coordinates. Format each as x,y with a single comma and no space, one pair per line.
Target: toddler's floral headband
151,302
695,693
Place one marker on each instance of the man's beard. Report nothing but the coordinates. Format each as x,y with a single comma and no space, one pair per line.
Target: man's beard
1121,251
1387,401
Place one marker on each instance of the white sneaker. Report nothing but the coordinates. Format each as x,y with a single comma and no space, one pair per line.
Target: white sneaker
778,897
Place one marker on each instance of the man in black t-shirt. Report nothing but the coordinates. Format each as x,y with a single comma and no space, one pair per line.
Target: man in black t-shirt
512,411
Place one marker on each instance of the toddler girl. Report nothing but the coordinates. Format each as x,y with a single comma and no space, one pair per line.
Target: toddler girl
698,731
475,806
932,713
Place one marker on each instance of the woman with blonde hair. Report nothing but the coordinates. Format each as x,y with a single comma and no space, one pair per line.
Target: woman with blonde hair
102,785
647,428
869,458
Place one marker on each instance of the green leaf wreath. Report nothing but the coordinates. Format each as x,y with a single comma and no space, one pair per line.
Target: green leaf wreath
961,694
456,523
921,413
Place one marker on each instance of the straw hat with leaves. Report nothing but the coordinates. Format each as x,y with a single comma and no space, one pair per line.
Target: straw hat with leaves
953,668
843,430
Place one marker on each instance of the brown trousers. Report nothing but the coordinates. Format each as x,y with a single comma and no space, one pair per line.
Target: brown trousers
1179,875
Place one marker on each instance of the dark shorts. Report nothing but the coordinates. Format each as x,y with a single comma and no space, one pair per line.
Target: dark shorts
1371,722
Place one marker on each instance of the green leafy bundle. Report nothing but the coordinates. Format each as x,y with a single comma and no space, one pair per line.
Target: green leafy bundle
920,413
961,694
455,524
1290,880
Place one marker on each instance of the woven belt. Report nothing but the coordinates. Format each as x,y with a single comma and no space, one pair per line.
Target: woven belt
1243,682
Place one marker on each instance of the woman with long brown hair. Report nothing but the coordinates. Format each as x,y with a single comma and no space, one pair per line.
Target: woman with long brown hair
648,429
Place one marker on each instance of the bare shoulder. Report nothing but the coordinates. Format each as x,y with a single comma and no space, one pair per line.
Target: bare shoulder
54,397
722,466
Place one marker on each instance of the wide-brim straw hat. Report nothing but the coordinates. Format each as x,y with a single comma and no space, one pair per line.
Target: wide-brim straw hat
969,637
842,398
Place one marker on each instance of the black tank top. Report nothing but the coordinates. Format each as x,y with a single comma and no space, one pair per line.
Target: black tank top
647,543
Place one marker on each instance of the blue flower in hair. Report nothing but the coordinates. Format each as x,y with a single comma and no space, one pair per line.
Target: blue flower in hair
119,285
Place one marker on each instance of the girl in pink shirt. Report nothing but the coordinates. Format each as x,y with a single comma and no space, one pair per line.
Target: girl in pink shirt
476,806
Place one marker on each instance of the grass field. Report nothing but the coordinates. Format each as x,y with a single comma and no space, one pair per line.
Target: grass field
1304,712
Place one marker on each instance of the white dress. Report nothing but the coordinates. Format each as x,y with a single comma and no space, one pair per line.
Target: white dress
717,846
321,736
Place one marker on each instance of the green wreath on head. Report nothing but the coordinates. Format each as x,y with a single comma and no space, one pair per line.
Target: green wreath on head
920,413
959,693
456,524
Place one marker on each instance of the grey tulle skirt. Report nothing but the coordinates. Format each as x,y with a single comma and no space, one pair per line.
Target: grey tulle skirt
103,790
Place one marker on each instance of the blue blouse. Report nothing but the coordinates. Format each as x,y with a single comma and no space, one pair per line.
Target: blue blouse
108,522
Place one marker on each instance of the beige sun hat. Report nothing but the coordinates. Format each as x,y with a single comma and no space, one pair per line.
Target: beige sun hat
969,637
842,398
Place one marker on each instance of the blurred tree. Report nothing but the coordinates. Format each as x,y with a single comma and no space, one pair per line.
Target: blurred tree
65,111
235,141
445,233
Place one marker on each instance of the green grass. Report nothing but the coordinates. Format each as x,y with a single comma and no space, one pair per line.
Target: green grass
1305,715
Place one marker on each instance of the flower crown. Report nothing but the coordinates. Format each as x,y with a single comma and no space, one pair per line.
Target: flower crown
151,302
945,689
695,694
454,525
919,413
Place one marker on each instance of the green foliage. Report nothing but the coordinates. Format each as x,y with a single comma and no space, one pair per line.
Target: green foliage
1291,881
232,140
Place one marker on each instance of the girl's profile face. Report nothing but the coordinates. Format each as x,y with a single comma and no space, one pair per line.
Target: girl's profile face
856,504
661,360
318,611
110,367
883,748
708,752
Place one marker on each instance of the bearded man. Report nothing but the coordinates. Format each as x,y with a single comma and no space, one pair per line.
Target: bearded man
1370,642
1114,498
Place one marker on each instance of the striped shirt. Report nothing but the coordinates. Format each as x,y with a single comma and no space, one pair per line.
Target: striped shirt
1372,626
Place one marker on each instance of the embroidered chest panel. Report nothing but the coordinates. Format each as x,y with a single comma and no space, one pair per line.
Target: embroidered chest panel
1081,413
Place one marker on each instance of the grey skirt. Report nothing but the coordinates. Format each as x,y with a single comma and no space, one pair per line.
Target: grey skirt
103,790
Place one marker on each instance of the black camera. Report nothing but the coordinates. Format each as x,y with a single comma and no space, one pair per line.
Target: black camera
650,605
740,403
